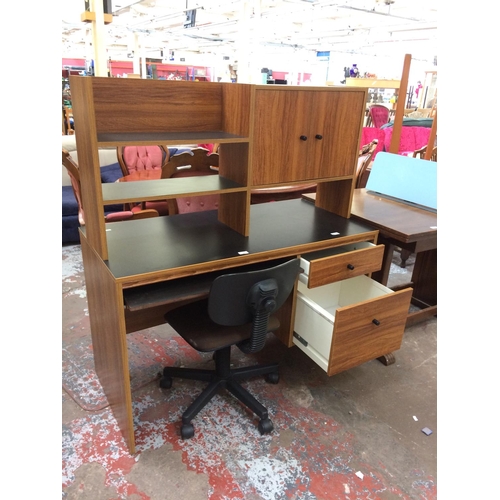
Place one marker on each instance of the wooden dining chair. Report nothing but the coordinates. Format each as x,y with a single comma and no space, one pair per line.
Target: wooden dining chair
197,162
420,153
74,175
69,124
364,163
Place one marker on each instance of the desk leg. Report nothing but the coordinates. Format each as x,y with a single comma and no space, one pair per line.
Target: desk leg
424,283
424,278
107,325
382,276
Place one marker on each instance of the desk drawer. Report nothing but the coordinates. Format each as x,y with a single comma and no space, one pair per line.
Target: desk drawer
344,324
336,264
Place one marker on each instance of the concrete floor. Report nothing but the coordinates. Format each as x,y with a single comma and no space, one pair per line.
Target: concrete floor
355,435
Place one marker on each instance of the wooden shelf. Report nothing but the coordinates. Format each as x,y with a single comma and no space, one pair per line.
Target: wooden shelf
128,192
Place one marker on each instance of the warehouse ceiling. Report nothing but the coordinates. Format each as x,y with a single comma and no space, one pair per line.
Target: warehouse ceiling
371,27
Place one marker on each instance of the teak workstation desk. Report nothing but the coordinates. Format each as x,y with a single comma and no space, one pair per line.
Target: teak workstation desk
136,270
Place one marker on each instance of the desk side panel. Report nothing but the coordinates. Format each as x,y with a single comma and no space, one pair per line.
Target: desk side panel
336,197
107,324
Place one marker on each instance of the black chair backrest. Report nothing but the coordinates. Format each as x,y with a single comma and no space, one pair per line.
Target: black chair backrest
239,298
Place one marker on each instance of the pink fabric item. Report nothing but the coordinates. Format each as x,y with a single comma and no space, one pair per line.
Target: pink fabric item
118,216
142,158
198,203
412,138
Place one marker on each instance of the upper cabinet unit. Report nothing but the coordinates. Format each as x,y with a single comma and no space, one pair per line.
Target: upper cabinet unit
267,136
304,135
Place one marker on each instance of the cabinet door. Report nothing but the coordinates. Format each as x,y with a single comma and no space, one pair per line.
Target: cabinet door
338,118
281,119
303,135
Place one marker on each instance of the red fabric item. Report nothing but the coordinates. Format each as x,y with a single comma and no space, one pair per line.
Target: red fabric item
412,138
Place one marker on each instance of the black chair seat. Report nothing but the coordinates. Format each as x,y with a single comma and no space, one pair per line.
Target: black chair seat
194,325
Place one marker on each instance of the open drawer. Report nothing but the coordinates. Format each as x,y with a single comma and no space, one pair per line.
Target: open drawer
340,263
344,324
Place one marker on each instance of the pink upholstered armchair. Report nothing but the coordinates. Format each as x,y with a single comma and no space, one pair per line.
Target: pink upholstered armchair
379,115
197,162
136,158
74,175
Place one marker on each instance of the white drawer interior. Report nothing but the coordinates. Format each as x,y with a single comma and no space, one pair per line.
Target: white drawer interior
342,293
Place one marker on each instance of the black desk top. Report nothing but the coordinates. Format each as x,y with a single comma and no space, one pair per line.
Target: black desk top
158,248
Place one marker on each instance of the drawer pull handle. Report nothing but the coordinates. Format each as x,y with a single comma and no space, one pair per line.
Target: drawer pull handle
303,137
376,322
319,137
350,266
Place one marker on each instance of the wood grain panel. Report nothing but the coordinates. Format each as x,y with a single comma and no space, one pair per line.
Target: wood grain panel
329,123
107,325
356,339
233,162
335,196
233,211
280,119
88,163
286,317
335,268
123,105
340,119
236,108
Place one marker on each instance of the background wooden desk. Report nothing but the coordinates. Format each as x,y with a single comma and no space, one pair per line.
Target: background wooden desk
405,226
414,229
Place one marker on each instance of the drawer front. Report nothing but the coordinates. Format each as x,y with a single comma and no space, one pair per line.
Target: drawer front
357,338
346,265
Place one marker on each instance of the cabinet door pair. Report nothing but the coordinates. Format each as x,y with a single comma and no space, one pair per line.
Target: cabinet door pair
303,135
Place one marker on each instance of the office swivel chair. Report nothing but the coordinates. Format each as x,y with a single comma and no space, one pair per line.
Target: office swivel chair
237,312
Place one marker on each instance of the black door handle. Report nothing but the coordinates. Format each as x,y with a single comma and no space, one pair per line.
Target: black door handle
376,322
350,266
319,137
303,137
